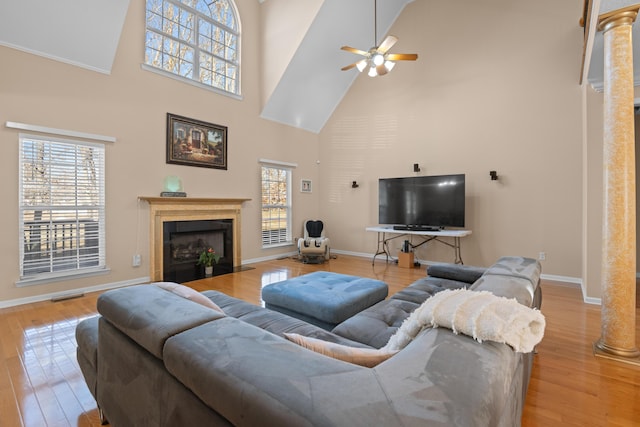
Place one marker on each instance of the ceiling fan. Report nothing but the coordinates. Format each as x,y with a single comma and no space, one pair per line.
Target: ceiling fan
379,61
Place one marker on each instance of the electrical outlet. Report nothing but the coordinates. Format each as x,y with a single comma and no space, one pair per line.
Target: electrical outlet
542,256
136,260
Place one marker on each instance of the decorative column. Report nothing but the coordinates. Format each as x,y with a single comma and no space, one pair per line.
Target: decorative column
619,222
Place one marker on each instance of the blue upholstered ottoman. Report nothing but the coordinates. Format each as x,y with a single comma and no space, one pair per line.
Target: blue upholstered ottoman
324,298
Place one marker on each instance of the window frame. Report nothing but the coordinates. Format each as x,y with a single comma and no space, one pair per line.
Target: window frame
194,44
287,206
76,228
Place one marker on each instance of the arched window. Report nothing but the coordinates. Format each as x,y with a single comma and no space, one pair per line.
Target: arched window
197,40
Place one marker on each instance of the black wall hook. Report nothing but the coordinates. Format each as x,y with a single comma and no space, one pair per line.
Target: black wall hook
493,175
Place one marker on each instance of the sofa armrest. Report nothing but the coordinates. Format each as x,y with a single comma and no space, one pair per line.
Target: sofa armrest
150,315
513,277
457,272
521,267
87,351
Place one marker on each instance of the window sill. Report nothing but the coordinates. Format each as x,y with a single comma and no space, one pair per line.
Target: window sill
58,277
277,245
190,81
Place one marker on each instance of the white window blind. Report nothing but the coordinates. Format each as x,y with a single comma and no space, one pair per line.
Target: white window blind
62,207
276,205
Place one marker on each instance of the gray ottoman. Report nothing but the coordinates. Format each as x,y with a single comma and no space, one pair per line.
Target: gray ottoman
323,298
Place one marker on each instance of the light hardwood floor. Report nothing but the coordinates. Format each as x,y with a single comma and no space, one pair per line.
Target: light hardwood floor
41,384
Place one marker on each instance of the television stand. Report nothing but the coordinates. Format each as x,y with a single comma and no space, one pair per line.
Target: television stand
388,233
416,228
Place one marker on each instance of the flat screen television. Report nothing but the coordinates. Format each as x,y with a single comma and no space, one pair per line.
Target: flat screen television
422,202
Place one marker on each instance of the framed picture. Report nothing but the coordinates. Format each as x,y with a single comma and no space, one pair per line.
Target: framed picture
305,186
194,143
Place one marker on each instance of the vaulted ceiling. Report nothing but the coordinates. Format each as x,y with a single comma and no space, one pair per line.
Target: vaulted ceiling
312,84
83,33
309,86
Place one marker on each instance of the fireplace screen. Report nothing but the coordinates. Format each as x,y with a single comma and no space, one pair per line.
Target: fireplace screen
183,241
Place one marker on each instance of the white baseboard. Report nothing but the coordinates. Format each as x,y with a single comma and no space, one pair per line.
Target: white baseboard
566,279
591,300
552,277
140,280
63,294
358,254
268,258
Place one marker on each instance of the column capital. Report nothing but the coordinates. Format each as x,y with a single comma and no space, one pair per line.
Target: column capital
616,18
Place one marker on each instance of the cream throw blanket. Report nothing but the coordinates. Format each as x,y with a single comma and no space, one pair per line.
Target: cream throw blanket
481,315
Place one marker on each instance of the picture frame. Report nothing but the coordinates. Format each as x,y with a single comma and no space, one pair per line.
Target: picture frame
305,186
193,142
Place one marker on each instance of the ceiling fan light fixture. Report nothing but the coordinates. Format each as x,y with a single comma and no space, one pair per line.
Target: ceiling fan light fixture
378,58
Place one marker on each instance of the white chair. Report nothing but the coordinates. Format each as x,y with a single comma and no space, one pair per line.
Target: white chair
314,247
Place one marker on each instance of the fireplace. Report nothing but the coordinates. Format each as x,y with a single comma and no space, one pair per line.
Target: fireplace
183,241
188,210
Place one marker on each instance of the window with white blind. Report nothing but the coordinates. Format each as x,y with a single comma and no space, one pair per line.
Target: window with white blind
62,208
276,205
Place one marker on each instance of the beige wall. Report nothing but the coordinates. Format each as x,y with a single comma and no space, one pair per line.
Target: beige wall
131,105
593,190
495,88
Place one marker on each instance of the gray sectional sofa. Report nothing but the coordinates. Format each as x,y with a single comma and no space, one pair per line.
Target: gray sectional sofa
153,358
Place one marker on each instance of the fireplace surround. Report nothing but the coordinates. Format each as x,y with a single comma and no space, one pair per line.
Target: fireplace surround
183,210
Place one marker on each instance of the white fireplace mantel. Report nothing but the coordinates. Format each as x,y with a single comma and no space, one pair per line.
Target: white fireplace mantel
163,209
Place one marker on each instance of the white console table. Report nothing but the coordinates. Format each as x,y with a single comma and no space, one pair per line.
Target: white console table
425,236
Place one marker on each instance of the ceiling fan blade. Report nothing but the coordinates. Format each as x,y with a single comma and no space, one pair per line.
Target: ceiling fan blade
354,50
348,67
402,56
387,44
361,65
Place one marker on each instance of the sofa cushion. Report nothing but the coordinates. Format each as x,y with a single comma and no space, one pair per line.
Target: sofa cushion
422,289
135,389
164,315
375,325
457,272
254,378
443,379
273,321
188,293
